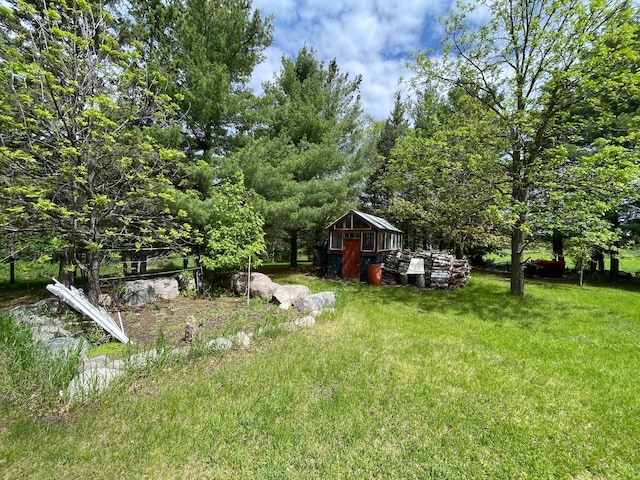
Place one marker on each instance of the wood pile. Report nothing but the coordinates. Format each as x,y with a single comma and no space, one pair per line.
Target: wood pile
441,270
460,273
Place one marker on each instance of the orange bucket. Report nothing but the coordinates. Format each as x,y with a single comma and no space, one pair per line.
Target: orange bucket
374,274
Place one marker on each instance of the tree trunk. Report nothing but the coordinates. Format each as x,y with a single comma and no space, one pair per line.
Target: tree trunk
12,270
558,243
66,275
614,271
293,259
93,277
517,266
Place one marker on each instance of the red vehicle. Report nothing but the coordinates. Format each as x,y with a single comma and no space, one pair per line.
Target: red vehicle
545,268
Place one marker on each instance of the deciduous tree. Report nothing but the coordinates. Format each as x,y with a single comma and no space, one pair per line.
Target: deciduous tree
524,64
75,156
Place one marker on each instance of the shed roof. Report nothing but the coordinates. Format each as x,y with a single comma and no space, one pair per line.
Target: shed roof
377,222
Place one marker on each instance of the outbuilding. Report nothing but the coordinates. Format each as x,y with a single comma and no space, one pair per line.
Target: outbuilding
357,240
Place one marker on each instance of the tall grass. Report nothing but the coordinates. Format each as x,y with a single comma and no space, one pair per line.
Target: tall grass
400,383
30,376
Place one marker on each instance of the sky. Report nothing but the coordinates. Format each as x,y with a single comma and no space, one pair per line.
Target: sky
372,38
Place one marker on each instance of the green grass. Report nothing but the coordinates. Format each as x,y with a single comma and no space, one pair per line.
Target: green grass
399,383
30,378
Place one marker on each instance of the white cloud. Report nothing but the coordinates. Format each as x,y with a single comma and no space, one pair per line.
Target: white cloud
372,38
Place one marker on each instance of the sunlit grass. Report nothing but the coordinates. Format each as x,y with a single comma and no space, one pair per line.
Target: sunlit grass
399,383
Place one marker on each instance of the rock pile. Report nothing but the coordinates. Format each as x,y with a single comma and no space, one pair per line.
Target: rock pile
97,373
261,286
427,269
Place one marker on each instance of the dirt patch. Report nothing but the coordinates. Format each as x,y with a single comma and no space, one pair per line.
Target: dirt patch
217,316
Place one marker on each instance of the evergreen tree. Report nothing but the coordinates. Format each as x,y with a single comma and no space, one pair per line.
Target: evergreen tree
376,195
301,159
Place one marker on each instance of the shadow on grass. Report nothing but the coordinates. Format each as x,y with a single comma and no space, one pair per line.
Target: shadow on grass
24,292
485,298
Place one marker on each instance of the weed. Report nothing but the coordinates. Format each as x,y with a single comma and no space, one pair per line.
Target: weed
31,376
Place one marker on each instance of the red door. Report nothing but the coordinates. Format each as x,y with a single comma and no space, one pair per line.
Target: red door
351,258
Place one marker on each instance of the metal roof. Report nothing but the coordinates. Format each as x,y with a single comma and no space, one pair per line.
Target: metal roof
377,222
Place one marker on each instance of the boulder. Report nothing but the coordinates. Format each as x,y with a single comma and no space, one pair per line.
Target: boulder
277,328
140,292
102,361
65,345
316,302
104,300
91,382
242,339
286,294
261,285
166,288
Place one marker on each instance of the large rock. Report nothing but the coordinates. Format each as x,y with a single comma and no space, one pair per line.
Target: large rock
65,346
261,285
92,382
140,292
316,302
286,294
166,288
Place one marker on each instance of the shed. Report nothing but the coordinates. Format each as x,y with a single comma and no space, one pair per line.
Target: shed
357,240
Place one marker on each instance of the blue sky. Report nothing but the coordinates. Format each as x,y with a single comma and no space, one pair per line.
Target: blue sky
372,38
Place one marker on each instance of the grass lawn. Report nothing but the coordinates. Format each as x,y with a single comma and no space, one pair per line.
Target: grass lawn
398,383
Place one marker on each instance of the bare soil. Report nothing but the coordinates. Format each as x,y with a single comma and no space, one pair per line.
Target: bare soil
216,316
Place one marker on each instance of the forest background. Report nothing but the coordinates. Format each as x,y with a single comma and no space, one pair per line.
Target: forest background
132,125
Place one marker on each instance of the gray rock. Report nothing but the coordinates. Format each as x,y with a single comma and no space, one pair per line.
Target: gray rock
280,327
104,299
102,361
141,360
46,333
220,344
91,382
261,285
242,339
166,288
316,302
139,292
65,345
284,295
307,321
